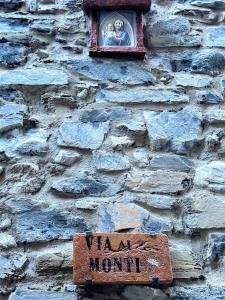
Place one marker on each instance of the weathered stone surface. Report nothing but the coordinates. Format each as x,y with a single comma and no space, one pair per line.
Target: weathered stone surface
206,61
12,54
109,217
189,80
197,293
120,142
140,157
141,293
172,32
32,147
11,116
120,247
24,178
141,96
7,241
183,262
11,4
33,77
54,259
216,247
9,25
82,135
164,182
67,158
175,131
204,206
215,36
125,73
110,161
211,176
85,186
11,266
211,97
20,294
171,162
134,126
156,225
103,115
214,115
209,3
45,225
154,201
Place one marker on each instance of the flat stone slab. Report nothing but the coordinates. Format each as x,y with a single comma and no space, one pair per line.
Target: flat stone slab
33,77
41,295
104,258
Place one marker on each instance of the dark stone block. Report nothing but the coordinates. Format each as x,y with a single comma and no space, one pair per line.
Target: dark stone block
10,4
119,72
12,54
103,115
41,225
41,295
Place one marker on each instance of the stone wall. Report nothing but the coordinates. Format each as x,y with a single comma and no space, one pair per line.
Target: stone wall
111,145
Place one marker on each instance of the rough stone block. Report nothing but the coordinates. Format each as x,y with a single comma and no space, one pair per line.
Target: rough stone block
171,162
124,73
141,96
20,294
179,132
110,162
82,135
164,182
215,36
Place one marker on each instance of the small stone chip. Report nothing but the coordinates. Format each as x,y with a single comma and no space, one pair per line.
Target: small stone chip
114,258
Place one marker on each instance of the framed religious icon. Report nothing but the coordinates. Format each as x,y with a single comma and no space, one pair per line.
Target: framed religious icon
116,27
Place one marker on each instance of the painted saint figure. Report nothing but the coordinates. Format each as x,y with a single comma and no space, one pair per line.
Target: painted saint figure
115,35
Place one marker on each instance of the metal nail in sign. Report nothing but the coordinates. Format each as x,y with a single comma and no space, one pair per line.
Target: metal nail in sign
116,27
114,258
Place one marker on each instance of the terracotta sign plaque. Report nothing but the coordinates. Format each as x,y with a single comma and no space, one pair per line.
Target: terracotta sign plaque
114,258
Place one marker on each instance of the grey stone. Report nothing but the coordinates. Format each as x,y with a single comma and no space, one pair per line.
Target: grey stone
179,132
177,25
7,241
141,96
214,115
12,54
211,176
218,4
119,72
109,216
33,77
171,162
157,225
173,32
10,4
120,142
184,263
11,116
216,247
67,158
204,206
206,61
209,97
161,182
192,81
77,187
215,36
110,162
20,294
103,115
135,126
11,266
32,147
197,293
140,157
154,201
9,25
143,293
82,135
45,225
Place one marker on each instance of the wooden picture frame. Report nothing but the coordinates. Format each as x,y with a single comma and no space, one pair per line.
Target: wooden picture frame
96,7
98,50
